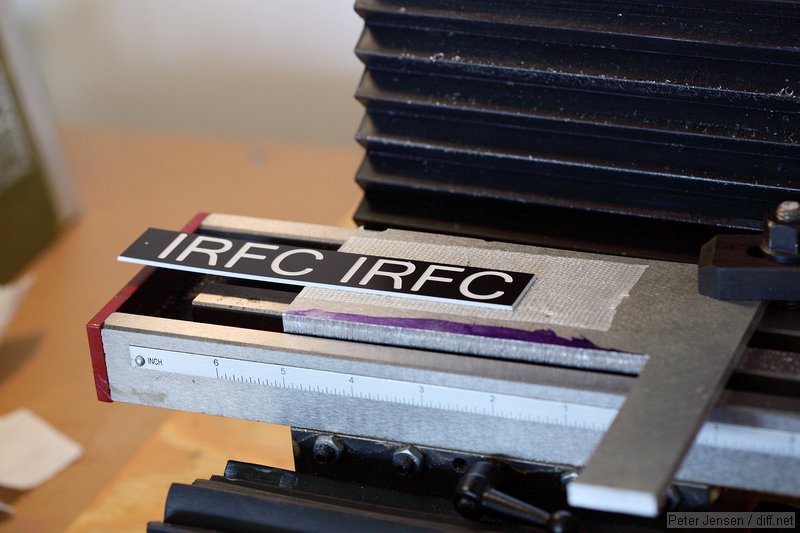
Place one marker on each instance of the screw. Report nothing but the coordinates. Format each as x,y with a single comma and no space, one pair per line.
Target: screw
327,449
781,240
139,360
407,461
788,211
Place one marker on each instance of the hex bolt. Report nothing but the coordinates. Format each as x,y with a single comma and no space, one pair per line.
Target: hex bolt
407,461
327,449
781,242
788,211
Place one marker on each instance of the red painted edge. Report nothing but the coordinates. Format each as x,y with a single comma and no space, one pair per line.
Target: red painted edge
95,325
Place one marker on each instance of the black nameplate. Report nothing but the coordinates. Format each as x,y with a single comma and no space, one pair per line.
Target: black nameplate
324,268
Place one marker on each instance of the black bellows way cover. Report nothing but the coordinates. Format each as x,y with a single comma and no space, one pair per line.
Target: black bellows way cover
624,127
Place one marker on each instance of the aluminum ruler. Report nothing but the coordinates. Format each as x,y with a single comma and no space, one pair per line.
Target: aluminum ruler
443,398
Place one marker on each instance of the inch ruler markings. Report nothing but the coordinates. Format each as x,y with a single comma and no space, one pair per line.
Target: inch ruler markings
572,415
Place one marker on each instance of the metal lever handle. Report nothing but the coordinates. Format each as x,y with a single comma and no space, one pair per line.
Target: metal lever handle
476,494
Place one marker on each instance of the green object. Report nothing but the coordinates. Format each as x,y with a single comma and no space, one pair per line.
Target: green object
28,219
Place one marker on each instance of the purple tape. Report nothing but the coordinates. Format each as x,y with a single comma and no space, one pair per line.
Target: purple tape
541,336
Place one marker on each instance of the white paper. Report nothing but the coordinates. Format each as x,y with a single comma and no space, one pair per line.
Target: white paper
10,297
32,451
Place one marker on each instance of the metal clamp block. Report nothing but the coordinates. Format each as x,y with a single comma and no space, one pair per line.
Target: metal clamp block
734,267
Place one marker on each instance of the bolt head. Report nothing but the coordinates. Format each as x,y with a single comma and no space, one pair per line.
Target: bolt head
327,449
407,461
788,211
404,465
324,454
782,233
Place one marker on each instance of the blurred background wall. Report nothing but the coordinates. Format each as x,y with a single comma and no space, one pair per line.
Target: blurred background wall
244,68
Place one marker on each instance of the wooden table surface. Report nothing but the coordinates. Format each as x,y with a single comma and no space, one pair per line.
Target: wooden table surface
129,181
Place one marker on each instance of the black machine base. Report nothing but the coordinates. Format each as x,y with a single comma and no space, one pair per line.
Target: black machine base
344,483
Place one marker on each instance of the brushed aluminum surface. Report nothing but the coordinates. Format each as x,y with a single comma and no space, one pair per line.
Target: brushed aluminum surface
545,441
691,344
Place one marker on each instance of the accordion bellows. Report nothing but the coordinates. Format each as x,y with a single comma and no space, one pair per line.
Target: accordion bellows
621,127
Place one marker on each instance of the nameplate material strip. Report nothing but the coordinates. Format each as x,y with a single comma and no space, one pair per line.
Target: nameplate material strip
371,274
